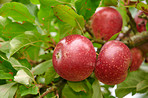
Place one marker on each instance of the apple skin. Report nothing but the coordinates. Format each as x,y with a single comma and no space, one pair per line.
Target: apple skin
144,48
74,58
113,62
140,23
137,59
106,22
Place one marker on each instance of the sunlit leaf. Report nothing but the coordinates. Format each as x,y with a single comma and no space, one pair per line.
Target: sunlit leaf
96,90
68,15
142,85
8,90
5,46
28,38
17,11
53,2
22,77
128,85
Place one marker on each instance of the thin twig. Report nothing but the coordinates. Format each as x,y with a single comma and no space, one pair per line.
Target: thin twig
49,90
132,21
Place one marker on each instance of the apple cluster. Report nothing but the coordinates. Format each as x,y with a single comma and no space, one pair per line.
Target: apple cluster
74,57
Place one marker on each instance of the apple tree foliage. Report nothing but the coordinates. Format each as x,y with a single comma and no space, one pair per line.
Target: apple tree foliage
29,32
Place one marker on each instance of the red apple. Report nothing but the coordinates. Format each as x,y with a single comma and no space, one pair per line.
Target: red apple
144,48
113,62
140,22
137,59
106,22
74,58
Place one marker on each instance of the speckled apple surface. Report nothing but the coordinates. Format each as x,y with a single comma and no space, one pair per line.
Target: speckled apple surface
74,58
137,59
113,62
140,23
106,22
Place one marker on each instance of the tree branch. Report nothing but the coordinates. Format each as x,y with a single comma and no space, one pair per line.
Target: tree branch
49,90
137,40
58,86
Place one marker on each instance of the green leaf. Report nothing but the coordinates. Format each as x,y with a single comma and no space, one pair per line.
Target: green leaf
40,79
14,61
142,85
97,45
46,56
147,26
17,11
142,6
35,1
13,29
32,52
4,75
42,67
25,63
78,86
128,85
96,90
54,2
147,1
50,75
33,9
46,16
122,10
6,66
66,30
68,15
110,2
86,8
8,90
68,92
28,38
5,46
28,90
114,36
18,66
4,1
22,77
